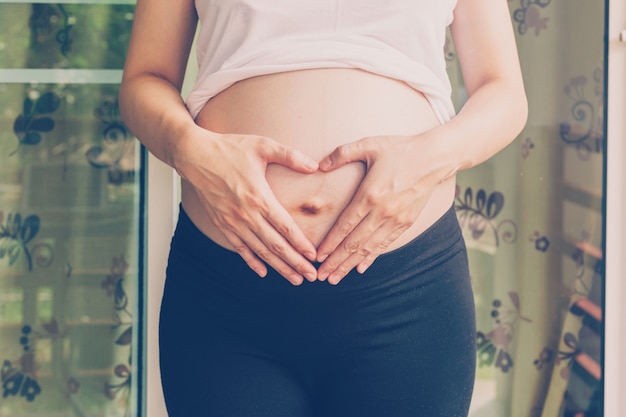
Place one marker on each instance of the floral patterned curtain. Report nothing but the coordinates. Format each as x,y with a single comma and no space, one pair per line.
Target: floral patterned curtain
69,213
533,222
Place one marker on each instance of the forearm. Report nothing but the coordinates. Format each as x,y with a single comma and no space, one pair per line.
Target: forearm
496,109
154,111
490,120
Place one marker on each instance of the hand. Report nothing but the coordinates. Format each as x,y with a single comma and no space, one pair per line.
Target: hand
400,178
228,174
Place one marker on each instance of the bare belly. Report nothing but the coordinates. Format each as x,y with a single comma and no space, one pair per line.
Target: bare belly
315,111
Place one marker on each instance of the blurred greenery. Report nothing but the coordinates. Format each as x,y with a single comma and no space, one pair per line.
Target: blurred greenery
11,305
80,36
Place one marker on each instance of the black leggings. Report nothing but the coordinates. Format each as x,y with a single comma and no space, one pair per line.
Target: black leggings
397,341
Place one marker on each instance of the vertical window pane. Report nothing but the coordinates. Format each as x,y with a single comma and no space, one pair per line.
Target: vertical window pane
69,213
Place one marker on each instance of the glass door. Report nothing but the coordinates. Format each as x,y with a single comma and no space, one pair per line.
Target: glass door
70,214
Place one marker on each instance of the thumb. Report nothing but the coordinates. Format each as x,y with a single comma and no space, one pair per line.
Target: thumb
343,155
289,157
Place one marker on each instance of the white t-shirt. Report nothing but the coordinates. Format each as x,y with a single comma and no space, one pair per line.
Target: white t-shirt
399,39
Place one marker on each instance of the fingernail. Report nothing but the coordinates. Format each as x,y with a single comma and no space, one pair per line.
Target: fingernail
310,256
322,276
310,276
310,164
333,279
322,258
296,279
362,268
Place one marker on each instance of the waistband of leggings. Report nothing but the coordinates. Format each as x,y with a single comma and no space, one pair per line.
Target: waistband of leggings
437,238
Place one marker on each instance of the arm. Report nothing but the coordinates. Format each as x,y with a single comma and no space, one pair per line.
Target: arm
403,171
227,171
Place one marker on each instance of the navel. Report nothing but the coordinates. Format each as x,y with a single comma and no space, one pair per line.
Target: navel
309,209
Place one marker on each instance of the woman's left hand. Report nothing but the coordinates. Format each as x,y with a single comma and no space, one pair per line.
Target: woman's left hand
400,178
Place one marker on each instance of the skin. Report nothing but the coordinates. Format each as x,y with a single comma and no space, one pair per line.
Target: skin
227,171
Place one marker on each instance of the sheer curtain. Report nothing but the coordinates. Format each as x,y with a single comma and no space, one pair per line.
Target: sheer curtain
533,222
69,213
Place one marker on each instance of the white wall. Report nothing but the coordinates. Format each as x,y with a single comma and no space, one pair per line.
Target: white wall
162,211
615,303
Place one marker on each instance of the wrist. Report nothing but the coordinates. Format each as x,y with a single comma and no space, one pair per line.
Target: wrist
189,143
442,153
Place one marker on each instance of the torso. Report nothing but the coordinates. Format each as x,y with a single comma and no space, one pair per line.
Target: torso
315,111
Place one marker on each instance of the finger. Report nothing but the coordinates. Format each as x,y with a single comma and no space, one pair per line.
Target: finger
352,247
251,232
284,224
343,269
363,257
274,250
396,222
244,251
359,151
275,153
272,213
268,256
281,251
349,219
379,247
356,248
276,262
373,235
239,245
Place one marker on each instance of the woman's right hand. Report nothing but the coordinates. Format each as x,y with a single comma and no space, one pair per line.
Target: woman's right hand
227,172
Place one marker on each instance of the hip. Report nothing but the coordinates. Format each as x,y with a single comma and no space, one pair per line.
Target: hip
422,288
427,268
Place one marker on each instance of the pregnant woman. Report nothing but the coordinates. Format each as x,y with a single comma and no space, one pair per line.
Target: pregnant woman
317,268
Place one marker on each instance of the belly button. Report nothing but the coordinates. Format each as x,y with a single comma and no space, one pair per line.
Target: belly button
309,209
